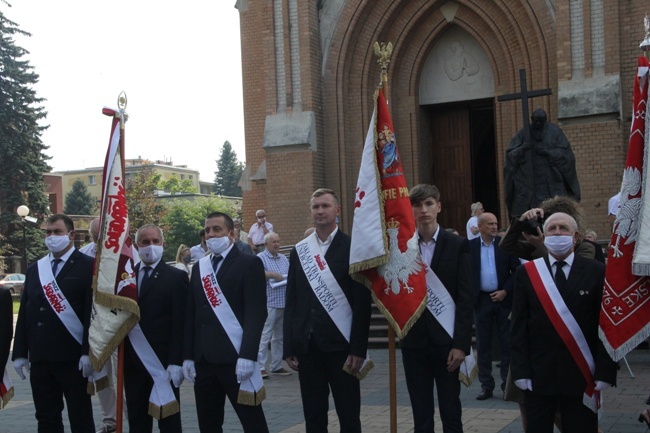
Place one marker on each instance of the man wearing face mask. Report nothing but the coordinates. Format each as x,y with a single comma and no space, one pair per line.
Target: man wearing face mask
225,315
162,291
539,169
557,358
52,331
258,231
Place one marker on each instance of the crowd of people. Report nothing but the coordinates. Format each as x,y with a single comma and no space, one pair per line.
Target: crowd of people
267,299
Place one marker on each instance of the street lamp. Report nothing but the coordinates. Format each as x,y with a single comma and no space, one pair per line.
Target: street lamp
22,212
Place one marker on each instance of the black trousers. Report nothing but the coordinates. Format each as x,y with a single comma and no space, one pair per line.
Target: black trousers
51,382
137,388
213,383
540,413
421,368
486,313
318,373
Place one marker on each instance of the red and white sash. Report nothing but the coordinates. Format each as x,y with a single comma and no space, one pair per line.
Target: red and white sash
565,325
67,316
6,389
251,391
443,308
328,291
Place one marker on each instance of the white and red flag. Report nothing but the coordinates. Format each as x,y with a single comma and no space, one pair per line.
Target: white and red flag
625,312
6,389
115,309
384,253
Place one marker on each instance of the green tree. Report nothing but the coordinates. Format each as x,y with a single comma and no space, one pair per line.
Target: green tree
140,198
184,219
79,201
228,172
23,162
174,185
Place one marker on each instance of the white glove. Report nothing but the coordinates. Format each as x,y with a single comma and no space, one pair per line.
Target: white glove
189,371
524,384
244,369
19,364
85,367
602,386
175,372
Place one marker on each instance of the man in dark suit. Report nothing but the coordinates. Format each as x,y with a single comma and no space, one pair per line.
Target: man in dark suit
493,271
59,360
162,290
429,353
211,361
313,344
541,363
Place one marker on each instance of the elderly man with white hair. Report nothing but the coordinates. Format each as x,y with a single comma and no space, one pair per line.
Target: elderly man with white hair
258,231
557,358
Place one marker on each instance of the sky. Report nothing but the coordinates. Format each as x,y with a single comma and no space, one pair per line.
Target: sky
178,62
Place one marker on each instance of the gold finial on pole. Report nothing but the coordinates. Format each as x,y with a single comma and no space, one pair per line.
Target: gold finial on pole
645,45
121,108
383,52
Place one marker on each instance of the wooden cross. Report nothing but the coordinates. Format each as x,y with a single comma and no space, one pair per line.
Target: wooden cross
524,95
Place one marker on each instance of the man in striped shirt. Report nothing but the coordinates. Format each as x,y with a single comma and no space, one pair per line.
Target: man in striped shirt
276,267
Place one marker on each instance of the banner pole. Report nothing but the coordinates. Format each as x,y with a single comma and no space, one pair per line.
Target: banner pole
119,409
383,52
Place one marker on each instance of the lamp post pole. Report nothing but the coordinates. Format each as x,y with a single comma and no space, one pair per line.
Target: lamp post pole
22,212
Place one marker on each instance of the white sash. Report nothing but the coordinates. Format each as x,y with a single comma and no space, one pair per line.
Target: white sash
566,326
6,390
328,291
57,300
251,391
443,308
162,401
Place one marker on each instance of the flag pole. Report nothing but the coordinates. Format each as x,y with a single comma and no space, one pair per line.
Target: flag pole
119,409
383,52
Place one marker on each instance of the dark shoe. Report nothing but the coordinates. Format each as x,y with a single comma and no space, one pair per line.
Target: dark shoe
265,374
485,394
645,417
281,372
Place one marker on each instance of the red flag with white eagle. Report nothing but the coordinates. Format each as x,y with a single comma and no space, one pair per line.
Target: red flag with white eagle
625,312
384,252
115,308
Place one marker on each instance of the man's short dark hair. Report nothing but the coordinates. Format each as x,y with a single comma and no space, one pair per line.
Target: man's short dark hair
323,191
69,224
230,225
202,233
423,191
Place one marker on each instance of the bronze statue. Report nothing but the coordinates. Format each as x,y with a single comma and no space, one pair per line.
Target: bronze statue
540,168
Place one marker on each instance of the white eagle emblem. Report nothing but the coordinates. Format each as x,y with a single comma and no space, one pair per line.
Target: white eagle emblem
627,220
401,265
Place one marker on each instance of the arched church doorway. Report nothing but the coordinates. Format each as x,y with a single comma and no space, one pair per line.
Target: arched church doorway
464,163
457,105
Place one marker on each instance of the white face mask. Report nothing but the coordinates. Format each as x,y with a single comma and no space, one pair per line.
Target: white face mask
56,244
558,245
218,245
151,253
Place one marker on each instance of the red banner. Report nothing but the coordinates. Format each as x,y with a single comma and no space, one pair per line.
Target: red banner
625,313
384,222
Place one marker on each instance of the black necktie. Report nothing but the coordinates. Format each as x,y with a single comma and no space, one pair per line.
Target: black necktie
215,262
560,278
55,265
145,277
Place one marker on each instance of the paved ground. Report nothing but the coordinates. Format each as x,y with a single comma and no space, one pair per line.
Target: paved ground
283,408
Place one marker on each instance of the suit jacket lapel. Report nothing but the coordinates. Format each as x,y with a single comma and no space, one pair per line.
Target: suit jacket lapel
439,247
67,266
333,246
576,274
227,262
153,276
